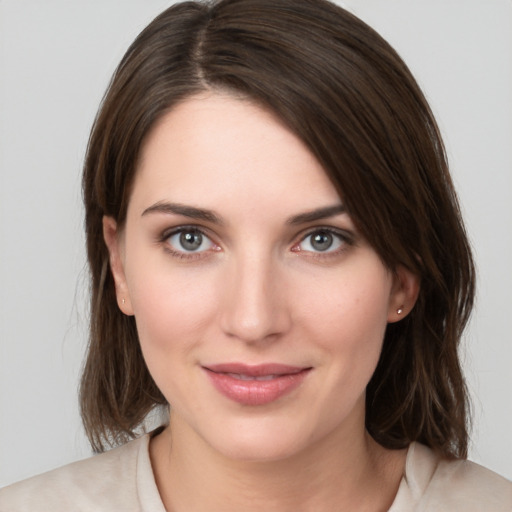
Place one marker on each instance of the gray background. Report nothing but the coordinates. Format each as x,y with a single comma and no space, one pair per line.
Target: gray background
56,57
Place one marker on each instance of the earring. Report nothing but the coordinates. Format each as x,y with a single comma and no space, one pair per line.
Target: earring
400,310
123,301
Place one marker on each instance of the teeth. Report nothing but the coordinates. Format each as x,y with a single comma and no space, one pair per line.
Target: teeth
241,376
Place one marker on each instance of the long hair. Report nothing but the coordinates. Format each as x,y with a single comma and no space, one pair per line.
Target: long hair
346,93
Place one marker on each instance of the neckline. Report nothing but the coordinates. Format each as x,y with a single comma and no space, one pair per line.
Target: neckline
420,464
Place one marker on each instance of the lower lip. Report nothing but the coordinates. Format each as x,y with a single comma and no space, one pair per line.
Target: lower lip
256,392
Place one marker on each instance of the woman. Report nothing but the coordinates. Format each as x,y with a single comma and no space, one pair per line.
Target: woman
277,254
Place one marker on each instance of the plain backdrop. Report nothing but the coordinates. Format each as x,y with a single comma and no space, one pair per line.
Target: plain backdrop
56,57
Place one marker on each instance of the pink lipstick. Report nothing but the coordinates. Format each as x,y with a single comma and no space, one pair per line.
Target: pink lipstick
255,385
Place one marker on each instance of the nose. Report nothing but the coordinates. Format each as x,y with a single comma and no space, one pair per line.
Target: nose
254,304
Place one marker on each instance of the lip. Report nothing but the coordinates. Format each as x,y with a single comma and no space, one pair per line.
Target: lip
255,384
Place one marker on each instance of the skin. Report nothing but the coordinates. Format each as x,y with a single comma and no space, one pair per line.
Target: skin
256,291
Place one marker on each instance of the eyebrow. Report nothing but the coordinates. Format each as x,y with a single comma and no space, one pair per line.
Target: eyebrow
317,214
209,216
186,211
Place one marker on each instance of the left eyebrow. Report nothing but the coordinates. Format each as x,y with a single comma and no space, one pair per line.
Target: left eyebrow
317,214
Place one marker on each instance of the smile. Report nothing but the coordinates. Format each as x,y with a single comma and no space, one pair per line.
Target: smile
255,385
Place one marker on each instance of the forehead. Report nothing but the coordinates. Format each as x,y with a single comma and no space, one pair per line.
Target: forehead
214,148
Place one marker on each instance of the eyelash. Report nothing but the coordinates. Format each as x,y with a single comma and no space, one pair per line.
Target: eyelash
344,238
187,255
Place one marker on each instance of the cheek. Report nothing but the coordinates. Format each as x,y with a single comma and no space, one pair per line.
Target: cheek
172,315
172,307
352,307
347,319
349,329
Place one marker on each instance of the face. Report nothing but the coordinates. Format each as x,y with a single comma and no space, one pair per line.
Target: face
260,309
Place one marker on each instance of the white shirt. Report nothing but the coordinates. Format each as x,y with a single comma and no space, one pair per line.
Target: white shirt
122,480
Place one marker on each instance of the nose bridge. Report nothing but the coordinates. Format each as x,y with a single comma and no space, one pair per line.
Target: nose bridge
254,308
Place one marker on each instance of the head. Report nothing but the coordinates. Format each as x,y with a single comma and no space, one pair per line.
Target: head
342,91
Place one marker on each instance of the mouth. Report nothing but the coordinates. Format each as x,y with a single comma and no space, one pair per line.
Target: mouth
255,385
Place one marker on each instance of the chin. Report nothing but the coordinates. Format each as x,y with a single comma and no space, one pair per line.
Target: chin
257,449
259,441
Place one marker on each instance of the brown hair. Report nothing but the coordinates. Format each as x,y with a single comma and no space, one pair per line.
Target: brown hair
347,94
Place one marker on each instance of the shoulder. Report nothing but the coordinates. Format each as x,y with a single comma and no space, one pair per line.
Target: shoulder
103,482
458,485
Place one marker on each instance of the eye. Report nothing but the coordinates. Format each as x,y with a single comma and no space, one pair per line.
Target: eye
322,241
189,240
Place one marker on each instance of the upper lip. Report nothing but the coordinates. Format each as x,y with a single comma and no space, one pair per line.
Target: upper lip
257,370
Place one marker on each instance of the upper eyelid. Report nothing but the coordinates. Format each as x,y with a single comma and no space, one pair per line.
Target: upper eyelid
301,235
343,233
346,240
166,233
164,237
169,232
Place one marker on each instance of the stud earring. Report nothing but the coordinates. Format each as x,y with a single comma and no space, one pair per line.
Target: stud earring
400,310
123,301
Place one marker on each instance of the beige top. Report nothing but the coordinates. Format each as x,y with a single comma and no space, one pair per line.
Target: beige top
122,480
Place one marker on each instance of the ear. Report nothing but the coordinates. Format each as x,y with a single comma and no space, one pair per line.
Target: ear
406,288
114,243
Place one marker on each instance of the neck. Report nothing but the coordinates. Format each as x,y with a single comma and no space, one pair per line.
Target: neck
339,472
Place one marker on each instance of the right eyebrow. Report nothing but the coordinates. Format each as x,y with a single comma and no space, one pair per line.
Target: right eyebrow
186,211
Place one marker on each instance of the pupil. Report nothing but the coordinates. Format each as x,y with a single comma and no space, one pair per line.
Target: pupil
322,241
191,241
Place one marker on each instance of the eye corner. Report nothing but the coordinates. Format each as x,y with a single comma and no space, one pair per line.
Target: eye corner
188,242
335,242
